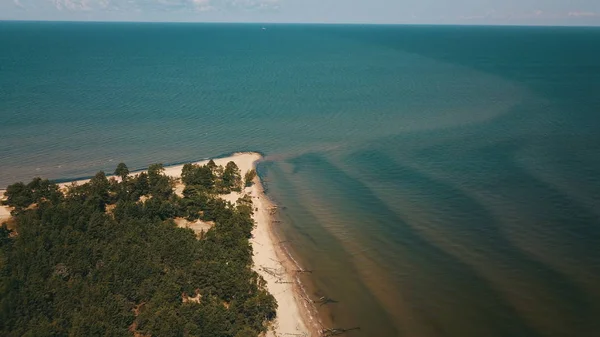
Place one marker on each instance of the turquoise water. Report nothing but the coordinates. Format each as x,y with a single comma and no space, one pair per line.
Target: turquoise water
440,181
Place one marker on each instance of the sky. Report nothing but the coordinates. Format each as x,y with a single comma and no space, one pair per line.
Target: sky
493,12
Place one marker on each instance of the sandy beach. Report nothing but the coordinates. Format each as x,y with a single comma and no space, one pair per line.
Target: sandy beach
271,260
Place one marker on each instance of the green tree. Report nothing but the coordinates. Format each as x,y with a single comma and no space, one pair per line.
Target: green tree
18,195
161,185
4,237
232,179
246,332
155,172
249,177
99,184
97,191
21,196
122,171
188,174
140,185
44,190
211,164
192,174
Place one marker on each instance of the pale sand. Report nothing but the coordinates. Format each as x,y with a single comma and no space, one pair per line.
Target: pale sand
271,260
4,212
197,226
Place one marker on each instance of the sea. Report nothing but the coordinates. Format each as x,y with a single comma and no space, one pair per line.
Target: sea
437,180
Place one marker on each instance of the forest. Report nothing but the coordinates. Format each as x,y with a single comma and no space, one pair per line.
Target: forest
105,258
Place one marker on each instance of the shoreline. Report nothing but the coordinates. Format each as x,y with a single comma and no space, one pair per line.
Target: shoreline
295,313
307,311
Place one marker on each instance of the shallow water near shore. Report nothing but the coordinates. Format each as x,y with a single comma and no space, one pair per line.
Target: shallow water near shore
439,181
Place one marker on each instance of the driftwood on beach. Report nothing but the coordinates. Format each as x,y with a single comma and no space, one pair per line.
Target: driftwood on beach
272,210
280,281
277,273
336,331
325,300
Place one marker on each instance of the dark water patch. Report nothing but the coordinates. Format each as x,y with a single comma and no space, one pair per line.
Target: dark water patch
460,221
491,169
322,253
527,55
416,266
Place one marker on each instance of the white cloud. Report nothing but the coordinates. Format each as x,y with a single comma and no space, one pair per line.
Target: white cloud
582,14
249,4
203,5
163,5
533,16
73,5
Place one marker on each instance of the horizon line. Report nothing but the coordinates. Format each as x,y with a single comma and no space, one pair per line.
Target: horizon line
311,23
